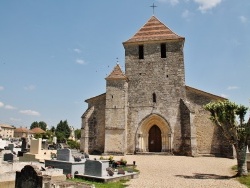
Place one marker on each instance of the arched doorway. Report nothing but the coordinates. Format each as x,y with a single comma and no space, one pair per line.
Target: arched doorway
154,139
156,125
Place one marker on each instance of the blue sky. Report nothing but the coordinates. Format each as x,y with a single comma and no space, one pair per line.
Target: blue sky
54,54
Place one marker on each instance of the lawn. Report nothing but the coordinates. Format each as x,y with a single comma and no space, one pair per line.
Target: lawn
119,184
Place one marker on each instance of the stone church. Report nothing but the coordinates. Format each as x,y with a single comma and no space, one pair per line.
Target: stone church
149,108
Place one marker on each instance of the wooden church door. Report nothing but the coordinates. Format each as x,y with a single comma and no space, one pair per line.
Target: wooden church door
154,139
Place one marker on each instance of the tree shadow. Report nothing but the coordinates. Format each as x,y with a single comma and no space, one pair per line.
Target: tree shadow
205,176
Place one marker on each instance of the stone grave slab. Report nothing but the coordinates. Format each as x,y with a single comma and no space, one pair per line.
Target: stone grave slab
24,145
35,146
29,177
64,155
96,167
11,147
3,143
8,157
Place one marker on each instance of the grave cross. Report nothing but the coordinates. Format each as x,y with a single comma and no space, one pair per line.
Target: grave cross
153,6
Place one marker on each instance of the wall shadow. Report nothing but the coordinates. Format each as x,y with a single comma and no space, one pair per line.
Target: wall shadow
205,176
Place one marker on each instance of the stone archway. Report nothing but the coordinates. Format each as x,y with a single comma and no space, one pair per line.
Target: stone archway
163,133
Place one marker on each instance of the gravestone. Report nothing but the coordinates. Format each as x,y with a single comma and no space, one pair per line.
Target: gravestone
23,147
45,144
24,144
64,155
8,157
120,171
110,171
35,146
11,147
29,177
96,167
3,143
54,140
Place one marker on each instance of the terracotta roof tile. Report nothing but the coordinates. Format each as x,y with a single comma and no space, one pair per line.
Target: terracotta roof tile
116,74
7,126
22,130
154,30
37,130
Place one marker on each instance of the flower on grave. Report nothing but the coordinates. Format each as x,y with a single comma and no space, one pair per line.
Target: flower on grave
123,161
68,176
111,158
52,155
102,158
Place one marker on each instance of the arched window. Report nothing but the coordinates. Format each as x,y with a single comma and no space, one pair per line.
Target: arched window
154,98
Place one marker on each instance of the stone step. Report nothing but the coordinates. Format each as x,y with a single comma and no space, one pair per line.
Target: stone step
154,153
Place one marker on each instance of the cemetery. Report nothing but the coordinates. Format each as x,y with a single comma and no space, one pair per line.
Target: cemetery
34,164
147,115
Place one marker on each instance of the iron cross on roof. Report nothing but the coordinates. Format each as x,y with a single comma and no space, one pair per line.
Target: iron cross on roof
153,6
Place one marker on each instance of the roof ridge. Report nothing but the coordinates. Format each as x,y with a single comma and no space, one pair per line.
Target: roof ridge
154,30
116,73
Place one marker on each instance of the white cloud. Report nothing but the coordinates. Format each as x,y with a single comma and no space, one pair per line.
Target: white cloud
186,14
1,88
205,5
30,87
243,19
1,104
30,112
9,107
232,87
172,2
77,50
224,95
80,61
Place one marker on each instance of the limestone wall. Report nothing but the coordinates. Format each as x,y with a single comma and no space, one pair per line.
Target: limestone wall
163,77
116,116
210,139
93,126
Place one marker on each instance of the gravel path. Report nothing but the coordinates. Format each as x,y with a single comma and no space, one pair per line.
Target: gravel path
158,171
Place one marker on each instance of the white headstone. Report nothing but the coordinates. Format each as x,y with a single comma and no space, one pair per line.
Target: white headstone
3,143
35,146
54,139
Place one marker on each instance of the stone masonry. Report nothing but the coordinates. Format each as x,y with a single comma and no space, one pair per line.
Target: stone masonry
149,108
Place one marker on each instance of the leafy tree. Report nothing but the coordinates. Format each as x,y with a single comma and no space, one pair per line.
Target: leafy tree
73,144
34,125
78,134
60,137
38,136
41,125
62,130
225,115
53,129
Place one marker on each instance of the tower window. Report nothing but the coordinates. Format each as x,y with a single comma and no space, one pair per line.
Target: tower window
163,50
154,98
141,52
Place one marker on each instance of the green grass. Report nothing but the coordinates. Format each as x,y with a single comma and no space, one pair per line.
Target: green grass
119,184
245,180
